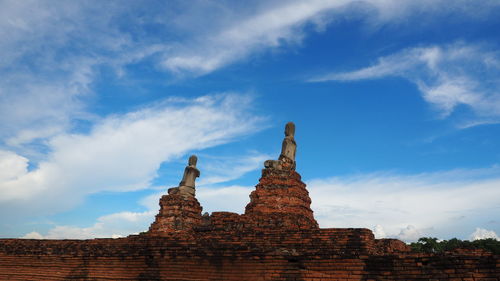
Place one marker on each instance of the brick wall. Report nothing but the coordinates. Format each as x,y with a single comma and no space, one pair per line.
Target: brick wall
319,254
277,238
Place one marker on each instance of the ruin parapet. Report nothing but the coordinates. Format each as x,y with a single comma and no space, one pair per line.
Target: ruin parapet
277,238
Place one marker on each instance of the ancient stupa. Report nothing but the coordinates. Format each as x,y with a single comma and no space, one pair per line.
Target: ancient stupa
279,201
277,238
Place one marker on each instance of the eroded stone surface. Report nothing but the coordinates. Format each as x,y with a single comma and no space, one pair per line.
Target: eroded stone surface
187,184
289,147
286,160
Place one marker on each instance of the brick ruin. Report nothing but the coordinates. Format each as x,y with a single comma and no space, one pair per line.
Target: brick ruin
277,238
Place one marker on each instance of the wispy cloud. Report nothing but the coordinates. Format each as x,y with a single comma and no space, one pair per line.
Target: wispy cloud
443,204
50,57
229,198
224,169
50,54
270,26
407,206
236,35
447,76
136,142
121,224
110,226
45,77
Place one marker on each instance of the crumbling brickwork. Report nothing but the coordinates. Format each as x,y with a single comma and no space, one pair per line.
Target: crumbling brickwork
176,213
277,238
315,254
265,243
280,200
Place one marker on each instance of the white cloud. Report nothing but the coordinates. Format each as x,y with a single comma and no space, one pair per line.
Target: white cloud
410,233
224,169
151,202
272,24
481,233
50,58
33,235
11,166
114,225
230,199
217,171
33,107
379,232
45,79
405,206
51,54
447,76
137,142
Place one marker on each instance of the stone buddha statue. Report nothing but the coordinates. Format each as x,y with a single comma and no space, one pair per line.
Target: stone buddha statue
187,185
286,161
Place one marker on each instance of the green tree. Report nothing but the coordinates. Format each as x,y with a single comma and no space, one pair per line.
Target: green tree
432,245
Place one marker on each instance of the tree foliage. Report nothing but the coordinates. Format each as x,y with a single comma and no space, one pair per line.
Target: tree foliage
433,245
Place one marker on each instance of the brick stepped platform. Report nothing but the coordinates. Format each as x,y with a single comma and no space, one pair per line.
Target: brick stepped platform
319,254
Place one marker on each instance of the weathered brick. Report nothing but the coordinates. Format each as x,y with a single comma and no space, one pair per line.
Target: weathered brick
276,239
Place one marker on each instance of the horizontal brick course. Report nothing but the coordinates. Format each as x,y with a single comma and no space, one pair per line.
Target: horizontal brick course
276,239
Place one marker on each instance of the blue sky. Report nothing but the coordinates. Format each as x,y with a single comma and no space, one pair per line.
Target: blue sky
396,103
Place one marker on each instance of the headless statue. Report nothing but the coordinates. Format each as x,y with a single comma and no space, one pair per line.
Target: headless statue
187,185
286,161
